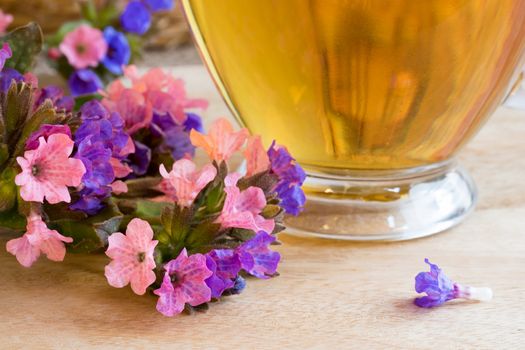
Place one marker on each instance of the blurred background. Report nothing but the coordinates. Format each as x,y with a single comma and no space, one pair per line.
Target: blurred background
167,43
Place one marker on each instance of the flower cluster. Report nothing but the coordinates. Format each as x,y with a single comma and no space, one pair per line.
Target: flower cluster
217,227
157,112
96,49
75,176
102,145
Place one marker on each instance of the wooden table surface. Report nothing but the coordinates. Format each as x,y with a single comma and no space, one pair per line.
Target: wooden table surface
330,294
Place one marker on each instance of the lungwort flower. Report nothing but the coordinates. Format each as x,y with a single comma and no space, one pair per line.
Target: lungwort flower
48,170
38,239
225,266
132,257
102,145
184,282
242,209
84,82
5,54
136,18
6,19
439,289
84,47
256,257
221,141
184,182
118,53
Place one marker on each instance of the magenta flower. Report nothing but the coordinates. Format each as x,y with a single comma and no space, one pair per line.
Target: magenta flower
5,54
440,289
186,182
184,282
5,21
84,47
256,257
132,257
47,171
38,239
221,141
242,209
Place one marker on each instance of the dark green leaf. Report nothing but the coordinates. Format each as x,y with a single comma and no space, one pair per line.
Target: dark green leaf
45,114
4,154
11,219
16,109
8,190
26,44
201,236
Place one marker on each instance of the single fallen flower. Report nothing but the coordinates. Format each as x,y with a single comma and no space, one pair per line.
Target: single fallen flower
440,289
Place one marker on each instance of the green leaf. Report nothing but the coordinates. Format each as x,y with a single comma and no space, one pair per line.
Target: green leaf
142,187
201,236
16,107
25,43
92,233
8,190
4,154
45,114
89,11
147,208
11,219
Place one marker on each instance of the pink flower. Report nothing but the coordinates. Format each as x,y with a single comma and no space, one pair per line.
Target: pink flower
118,187
5,54
5,21
256,156
132,256
38,239
242,209
184,282
184,182
221,142
84,47
48,170
155,92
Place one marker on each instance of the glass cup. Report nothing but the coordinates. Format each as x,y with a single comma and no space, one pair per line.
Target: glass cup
374,98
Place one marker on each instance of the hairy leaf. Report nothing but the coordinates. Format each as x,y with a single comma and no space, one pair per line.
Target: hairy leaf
26,44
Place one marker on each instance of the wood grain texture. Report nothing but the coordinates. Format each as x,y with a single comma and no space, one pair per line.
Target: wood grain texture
330,294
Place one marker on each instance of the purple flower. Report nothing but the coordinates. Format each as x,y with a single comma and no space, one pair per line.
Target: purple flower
118,53
238,285
159,5
45,130
139,160
224,265
256,258
7,76
99,138
135,18
56,95
84,82
6,53
291,177
193,121
175,138
439,289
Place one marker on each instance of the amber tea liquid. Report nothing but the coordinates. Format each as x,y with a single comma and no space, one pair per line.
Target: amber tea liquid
355,84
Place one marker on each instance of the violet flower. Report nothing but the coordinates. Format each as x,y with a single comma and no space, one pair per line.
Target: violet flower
224,265
136,18
440,289
7,75
256,258
159,5
119,52
99,139
56,95
84,82
291,177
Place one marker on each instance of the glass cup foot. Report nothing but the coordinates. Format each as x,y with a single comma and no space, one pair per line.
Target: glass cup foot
383,206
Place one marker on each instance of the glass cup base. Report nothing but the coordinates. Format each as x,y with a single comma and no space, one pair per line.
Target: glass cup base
385,205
